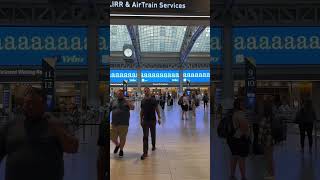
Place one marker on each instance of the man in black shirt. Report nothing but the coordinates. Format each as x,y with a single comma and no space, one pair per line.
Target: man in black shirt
149,108
34,143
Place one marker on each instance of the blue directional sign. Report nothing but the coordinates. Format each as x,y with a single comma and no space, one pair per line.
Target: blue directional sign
272,45
29,45
160,76
196,76
118,76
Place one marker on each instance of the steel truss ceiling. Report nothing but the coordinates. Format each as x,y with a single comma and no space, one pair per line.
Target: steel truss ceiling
134,35
298,14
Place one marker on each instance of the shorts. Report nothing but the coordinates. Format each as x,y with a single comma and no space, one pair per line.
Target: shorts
185,107
239,147
120,131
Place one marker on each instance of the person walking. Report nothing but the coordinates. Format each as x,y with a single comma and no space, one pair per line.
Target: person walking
205,100
184,103
306,118
120,108
149,108
34,145
266,140
193,105
239,142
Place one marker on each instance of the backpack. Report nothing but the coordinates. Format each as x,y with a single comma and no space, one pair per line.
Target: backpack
226,128
180,101
205,98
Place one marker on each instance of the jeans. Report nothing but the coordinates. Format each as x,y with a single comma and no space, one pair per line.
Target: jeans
146,126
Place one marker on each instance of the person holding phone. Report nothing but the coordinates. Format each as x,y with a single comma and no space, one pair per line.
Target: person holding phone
149,108
120,109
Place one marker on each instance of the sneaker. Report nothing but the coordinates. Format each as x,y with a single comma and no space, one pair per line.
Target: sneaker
116,149
153,148
144,156
121,153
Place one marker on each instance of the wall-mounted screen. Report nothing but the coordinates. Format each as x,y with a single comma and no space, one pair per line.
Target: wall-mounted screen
196,76
271,45
159,76
118,76
29,45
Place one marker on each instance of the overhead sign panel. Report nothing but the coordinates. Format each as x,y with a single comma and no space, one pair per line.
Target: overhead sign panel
196,76
159,76
118,76
271,45
164,7
29,45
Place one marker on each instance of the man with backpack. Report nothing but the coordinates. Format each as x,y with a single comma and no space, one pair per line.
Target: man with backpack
234,127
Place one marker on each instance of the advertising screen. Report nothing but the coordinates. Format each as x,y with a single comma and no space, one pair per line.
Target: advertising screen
29,45
118,76
159,76
196,76
271,45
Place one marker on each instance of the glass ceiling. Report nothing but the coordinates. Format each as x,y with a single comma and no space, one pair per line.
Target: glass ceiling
202,44
158,39
119,36
161,38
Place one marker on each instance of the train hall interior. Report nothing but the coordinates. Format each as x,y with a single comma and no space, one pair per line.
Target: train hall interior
100,67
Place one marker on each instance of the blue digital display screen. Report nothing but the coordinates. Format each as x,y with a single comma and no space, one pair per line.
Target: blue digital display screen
196,76
159,76
215,44
271,45
29,45
118,76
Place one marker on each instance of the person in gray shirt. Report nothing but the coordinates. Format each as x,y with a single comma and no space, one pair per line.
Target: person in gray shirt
120,109
34,145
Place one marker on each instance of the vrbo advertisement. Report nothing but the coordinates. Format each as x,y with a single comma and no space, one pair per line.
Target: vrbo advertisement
271,45
29,45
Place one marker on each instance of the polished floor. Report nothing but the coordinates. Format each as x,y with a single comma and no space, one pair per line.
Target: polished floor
182,149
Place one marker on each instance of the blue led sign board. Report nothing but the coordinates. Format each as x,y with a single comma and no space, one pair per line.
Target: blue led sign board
118,76
159,76
271,45
196,76
29,45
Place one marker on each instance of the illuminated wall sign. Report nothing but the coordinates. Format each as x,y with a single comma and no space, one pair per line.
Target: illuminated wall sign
272,45
118,76
29,45
215,44
147,5
199,8
159,76
20,72
196,76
